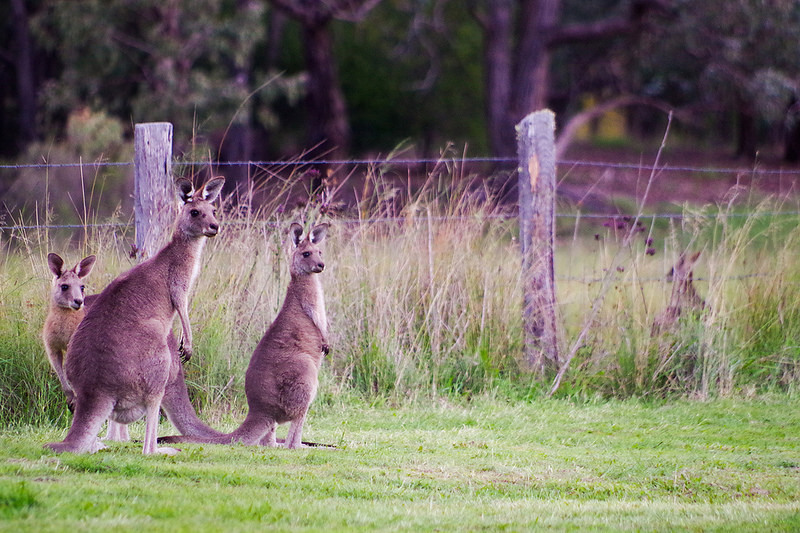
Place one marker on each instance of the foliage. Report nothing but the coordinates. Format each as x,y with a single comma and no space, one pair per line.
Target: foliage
409,70
189,63
72,187
725,58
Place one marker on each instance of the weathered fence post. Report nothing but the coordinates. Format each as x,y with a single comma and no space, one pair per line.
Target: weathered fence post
153,189
537,190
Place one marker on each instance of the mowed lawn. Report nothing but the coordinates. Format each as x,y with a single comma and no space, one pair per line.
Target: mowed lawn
731,465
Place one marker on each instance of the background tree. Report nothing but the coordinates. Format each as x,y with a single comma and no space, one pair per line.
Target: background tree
734,63
520,38
181,61
233,74
328,125
21,56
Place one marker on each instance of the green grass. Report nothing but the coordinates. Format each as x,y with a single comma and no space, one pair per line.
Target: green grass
484,465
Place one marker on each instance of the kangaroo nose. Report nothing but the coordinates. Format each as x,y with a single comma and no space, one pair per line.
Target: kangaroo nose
213,226
79,301
321,266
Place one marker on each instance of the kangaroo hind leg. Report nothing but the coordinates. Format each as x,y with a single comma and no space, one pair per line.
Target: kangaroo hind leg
294,439
90,413
151,432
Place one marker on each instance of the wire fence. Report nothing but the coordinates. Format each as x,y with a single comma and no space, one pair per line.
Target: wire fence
567,163
755,171
738,171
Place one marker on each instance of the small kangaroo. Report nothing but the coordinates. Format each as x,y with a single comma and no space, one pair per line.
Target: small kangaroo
119,359
683,297
67,308
282,378
65,313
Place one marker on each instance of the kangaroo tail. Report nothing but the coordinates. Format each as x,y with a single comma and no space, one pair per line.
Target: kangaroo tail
250,432
179,409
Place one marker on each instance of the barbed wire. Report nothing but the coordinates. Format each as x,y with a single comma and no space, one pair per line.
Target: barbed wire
410,161
446,218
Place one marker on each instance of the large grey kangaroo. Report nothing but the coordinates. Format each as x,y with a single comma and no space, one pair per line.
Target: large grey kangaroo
119,361
68,305
282,378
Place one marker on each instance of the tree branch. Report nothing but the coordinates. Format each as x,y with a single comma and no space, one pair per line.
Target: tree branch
610,27
311,13
569,131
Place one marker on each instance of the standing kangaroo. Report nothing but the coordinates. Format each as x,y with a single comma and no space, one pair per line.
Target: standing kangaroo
68,305
65,313
282,378
119,361
683,297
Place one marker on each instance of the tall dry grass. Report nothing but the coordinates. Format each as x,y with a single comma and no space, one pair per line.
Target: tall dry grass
424,295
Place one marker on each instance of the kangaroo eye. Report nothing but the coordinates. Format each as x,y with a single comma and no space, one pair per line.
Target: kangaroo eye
194,212
65,287
306,254
83,287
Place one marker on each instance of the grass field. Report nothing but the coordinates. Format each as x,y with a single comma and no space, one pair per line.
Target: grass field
726,465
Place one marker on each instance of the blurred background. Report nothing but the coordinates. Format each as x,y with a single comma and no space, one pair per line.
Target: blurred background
266,80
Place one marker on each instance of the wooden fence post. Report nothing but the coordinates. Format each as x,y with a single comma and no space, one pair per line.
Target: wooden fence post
537,190
154,190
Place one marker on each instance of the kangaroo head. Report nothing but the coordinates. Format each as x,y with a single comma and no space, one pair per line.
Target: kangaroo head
307,254
67,291
682,271
197,217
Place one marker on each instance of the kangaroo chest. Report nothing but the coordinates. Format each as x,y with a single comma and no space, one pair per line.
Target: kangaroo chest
314,307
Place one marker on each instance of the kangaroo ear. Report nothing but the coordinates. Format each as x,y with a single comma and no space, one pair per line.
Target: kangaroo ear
693,259
319,232
212,189
295,233
85,266
55,263
185,189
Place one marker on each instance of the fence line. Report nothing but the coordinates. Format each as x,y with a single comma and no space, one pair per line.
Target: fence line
442,218
297,163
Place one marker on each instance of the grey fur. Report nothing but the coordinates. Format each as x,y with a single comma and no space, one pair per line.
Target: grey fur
282,378
119,360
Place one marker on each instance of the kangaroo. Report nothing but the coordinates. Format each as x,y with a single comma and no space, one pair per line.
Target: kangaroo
67,308
118,361
65,313
683,294
282,378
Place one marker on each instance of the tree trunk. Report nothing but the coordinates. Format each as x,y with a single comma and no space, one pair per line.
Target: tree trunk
328,127
537,23
23,63
791,141
497,58
746,143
